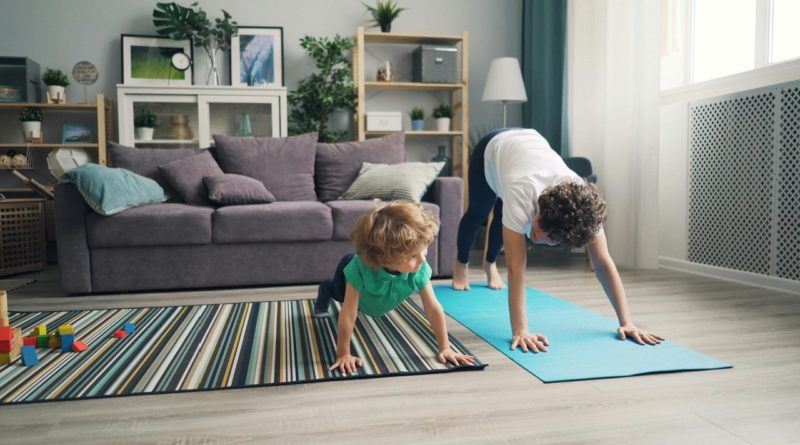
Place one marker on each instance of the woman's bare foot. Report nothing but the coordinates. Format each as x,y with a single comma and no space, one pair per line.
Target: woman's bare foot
493,278
460,275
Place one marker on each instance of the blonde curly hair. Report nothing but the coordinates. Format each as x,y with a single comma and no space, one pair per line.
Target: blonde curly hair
392,231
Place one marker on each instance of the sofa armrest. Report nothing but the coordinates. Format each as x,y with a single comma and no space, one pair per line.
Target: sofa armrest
448,193
74,263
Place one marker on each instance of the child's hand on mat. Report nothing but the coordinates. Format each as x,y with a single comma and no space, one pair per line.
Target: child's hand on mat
450,356
528,341
638,335
347,363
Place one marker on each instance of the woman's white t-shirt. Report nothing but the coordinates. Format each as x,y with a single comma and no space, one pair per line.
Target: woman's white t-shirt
519,165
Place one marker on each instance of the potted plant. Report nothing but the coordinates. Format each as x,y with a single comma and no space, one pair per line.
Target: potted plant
417,118
31,123
383,13
55,80
443,114
145,123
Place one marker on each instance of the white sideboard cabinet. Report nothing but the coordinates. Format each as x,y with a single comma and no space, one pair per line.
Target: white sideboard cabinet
189,116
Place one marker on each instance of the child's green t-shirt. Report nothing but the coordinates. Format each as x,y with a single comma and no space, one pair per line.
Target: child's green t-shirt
381,291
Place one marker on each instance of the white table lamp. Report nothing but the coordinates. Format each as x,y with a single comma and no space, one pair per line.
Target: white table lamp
504,83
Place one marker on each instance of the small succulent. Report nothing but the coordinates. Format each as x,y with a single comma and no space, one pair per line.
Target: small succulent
30,114
417,113
383,13
145,118
443,111
55,78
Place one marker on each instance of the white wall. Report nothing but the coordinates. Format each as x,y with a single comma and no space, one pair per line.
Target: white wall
57,33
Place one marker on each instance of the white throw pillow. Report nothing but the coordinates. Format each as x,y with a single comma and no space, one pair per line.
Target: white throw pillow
405,181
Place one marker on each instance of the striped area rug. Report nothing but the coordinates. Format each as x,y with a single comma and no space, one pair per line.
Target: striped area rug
205,347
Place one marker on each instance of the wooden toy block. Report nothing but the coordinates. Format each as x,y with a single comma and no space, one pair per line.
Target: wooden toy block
54,341
29,356
120,334
42,341
66,329
6,333
7,345
79,346
66,342
17,341
5,358
41,330
129,328
28,341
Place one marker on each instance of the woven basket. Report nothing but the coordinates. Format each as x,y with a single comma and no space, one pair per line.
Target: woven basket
22,235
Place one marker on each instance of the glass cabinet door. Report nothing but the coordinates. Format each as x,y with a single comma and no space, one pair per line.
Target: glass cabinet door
178,120
256,116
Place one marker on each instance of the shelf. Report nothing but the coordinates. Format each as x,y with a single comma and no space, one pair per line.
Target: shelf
416,133
23,145
400,38
21,105
412,85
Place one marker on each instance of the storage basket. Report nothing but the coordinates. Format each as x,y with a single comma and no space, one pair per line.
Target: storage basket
22,235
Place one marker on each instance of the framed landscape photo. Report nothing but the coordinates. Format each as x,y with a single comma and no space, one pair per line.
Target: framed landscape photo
146,60
77,134
257,56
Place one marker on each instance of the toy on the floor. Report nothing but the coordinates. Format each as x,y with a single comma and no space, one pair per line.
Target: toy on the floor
120,334
10,338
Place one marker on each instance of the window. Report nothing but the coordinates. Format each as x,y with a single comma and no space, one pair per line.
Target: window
785,32
724,37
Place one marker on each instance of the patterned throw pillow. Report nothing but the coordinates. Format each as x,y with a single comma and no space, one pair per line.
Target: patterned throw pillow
405,181
111,190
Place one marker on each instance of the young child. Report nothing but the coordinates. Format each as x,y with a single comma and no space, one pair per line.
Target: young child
391,242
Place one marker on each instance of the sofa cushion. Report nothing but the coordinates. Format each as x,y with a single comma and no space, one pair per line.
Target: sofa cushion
337,165
186,175
407,181
279,221
145,162
284,165
345,213
168,224
111,190
230,189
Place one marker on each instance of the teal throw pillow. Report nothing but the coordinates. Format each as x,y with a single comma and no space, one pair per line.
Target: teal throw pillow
111,190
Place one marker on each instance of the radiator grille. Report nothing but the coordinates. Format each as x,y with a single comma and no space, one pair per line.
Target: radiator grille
744,163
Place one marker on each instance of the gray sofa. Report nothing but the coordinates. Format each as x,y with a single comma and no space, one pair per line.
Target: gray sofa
174,245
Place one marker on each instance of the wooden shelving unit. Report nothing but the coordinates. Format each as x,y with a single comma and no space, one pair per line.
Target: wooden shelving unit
103,109
458,91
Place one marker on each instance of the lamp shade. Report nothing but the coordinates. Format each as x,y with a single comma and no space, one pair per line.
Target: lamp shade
504,82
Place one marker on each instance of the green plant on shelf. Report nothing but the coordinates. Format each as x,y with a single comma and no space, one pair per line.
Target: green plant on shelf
443,111
384,13
55,78
31,114
417,113
146,119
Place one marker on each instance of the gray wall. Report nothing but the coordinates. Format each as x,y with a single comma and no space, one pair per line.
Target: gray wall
57,33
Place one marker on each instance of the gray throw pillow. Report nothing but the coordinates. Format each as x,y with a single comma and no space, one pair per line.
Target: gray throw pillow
337,165
145,161
231,189
284,165
186,177
406,181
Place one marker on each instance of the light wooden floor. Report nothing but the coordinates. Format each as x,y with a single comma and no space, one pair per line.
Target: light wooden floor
757,402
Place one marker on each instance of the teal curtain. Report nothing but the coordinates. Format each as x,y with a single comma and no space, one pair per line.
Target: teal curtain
544,70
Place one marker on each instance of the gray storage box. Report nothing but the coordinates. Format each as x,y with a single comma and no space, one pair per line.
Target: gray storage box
19,80
435,64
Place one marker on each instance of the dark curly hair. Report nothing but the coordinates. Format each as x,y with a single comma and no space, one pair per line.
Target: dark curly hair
571,213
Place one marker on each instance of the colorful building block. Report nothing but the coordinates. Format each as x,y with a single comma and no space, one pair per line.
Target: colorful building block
41,330
42,341
29,341
78,346
66,342
5,358
129,328
6,333
120,334
66,329
54,341
29,356
7,345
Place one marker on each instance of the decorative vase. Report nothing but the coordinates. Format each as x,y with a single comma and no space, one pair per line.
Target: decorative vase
340,120
386,27
180,127
443,124
55,94
245,129
144,133
385,73
31,130
447,170
213,74
418,124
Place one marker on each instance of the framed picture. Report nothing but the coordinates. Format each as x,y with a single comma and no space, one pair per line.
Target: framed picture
146,60
77,134
257,56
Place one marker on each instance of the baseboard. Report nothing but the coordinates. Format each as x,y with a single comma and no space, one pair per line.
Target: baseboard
736,276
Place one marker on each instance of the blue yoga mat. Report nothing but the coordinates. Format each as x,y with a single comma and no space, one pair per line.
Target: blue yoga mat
583,344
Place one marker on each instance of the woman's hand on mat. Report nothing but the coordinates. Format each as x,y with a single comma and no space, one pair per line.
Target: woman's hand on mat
450,356
638,335
527,341
347,363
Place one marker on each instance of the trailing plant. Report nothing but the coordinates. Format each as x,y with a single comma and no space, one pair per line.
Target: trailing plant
443,111
55,78
145,118
417,113
30,114
384,13
329,89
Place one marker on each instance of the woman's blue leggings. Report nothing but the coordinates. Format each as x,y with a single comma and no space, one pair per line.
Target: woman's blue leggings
481,199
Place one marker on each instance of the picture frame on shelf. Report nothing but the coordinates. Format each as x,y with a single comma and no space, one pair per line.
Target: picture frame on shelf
77,134
256,56
147,60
